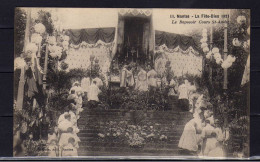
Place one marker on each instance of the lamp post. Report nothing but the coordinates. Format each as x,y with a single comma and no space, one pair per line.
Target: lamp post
225,57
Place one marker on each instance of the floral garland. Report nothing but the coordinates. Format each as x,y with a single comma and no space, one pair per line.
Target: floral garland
97,44
164,48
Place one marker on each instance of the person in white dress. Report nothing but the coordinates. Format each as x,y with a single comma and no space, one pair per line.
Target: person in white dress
183,96
142,83
85,83
75,88
191,136
65,136
70,149
93,93
214,144
126,77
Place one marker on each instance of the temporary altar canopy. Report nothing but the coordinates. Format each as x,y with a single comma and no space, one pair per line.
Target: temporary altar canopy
104,41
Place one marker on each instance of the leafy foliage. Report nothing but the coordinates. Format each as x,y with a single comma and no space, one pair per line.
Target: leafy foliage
19,30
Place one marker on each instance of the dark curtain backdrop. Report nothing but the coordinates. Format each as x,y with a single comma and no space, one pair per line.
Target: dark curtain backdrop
91,35
172,40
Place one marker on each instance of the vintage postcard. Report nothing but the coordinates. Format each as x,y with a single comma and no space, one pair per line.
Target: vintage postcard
131,83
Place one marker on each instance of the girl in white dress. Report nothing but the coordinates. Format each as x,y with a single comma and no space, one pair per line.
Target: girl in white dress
191,136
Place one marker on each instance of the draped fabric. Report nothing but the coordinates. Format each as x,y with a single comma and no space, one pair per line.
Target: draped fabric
120,34
146,37
172,40
91,35
135,12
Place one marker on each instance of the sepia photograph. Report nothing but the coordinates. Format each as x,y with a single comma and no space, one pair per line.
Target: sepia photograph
140,83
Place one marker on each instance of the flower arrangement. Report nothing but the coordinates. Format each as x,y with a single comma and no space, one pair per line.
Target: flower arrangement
36,38
19,63
39,28
31,47
133,135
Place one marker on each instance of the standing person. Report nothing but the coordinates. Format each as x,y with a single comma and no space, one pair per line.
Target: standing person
141,83
183,96
172,95
123,76
152,78
126,77
93,94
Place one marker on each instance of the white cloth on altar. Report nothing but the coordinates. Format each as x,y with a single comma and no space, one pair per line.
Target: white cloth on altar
93,92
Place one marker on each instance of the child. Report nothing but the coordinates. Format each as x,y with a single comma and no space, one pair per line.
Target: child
66,135
52,148
207,133
70,149
218,151
65,123
213,146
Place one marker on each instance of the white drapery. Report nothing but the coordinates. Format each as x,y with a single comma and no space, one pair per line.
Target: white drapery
182,62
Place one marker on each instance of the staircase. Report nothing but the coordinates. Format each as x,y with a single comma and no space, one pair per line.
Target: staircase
93,122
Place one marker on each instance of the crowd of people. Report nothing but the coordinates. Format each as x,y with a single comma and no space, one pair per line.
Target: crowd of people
63,140
203,135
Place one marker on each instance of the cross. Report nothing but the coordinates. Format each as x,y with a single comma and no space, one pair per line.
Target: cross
132,52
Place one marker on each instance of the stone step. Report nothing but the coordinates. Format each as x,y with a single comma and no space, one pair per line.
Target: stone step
85,133
126,112
168,116
118,155
86,140
132,151
157,127
159,145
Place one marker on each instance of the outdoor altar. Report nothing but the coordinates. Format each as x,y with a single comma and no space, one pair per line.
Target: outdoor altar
126,87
